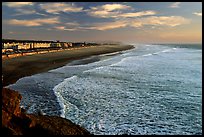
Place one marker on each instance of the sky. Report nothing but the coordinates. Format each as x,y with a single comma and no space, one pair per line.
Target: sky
127,22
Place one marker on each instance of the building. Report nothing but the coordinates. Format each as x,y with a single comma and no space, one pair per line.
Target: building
41,45
9,45
24,46
32,44
66,44
55,45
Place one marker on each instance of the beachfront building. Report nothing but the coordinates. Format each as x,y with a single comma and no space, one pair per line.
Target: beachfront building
23,46
66,44
9,45
55,45
41,45
16,45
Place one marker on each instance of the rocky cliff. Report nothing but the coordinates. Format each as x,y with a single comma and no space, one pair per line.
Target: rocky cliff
15,121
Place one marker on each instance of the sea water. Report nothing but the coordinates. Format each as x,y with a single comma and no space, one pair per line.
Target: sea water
151,89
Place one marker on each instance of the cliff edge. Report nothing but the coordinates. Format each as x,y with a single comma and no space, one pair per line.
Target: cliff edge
15,121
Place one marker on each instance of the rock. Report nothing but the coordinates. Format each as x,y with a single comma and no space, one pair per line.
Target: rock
15,121
54,125
11,101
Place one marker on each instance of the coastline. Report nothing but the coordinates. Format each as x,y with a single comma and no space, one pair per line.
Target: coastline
16,68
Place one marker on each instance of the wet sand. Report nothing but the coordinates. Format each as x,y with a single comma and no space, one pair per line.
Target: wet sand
16,68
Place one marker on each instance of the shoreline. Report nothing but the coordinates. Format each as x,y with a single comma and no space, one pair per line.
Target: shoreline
15,68
92,59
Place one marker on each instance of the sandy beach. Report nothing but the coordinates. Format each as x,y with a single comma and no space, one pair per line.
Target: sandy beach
16,68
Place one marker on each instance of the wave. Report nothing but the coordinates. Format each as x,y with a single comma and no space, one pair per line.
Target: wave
110,54
147,55
57,89
163,51
122,61
137,56
90,70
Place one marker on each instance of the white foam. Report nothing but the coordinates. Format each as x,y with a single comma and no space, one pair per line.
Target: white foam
167,50
58,69
113,53
156,53
81,65
90,70
122,61
60,99
147,55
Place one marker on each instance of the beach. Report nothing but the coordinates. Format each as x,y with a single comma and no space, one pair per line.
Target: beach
16,68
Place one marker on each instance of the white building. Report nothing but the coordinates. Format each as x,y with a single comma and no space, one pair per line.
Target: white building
41,45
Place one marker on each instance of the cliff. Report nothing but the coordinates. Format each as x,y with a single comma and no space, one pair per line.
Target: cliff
15,121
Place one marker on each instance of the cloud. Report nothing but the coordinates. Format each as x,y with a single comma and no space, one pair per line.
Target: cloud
70,26
25,11
107,10
137,14
116,11
198,13
59,27
175,5
63,28
112,7
108,25
171,21
17,4
136,23
55,8
22,8
72,23
34,22
72,29
106,14
102,14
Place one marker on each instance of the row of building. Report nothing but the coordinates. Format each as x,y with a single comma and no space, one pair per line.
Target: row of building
15,45
32,45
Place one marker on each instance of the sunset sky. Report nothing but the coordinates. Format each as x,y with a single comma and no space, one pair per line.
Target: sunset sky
132,22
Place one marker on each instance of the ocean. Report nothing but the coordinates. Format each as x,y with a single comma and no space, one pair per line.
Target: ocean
148,90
